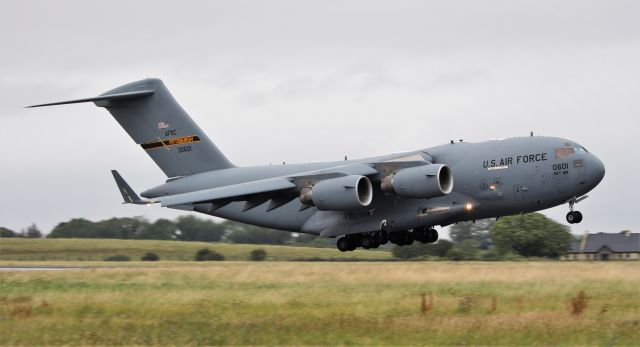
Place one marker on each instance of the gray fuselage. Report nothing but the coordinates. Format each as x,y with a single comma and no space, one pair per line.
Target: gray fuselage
491,179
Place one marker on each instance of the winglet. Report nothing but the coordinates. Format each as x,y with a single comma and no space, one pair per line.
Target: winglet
129,196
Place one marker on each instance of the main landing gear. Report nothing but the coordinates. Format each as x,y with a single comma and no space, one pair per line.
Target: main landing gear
574,217
375,239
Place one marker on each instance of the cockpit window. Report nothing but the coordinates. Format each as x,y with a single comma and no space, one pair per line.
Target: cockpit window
581,149
564,152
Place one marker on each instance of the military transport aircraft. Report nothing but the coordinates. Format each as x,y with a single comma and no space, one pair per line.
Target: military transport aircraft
396,198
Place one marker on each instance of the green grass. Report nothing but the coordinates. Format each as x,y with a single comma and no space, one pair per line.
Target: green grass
18,249
302,303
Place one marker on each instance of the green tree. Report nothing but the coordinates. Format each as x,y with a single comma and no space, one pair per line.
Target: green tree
161,229
455,253
75,228
119,228
478,231
114,228
33,232
191,228
531,235
245,233
469,248
4,232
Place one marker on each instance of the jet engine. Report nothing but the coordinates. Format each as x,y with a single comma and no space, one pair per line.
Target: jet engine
339,194
420,182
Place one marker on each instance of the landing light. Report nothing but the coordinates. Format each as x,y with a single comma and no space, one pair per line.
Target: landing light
468,206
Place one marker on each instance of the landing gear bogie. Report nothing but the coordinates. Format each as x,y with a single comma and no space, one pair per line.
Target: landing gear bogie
376,239
343,244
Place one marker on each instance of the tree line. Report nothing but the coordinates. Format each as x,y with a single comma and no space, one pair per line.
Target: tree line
183,228
527,235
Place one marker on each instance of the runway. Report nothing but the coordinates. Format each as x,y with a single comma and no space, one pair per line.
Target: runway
41,268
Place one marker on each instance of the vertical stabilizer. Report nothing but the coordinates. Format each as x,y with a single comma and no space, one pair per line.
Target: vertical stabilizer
163,129
155,121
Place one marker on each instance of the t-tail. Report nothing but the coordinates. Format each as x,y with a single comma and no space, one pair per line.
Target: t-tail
151,116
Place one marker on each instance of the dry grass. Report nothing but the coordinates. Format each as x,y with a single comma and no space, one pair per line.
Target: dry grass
244,303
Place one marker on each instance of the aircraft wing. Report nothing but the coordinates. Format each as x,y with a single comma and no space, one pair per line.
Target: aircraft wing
235,192
277,190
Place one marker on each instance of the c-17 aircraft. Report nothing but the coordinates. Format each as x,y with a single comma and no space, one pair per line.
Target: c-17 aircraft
396,198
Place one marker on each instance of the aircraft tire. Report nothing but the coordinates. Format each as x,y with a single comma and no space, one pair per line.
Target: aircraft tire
409,238
571,217
578,216
343,244
421,234
393,237
433,235
352,246
368,242
382,236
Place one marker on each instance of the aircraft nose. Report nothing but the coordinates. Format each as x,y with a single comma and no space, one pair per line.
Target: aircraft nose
597,170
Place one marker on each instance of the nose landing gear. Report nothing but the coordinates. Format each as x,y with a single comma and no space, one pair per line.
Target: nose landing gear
574,217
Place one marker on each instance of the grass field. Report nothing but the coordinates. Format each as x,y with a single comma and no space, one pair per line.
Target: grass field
294,303
97,249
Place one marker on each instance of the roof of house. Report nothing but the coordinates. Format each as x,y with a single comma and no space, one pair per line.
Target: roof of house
618,243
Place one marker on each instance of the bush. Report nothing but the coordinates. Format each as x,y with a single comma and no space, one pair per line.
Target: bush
117,257
258,254
150,256
455,254
206,254
491,255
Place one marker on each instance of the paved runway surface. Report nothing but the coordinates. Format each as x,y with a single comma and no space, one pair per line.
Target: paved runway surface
40,268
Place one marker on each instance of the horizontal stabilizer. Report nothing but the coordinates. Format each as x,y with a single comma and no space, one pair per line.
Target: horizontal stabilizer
129,196
108,97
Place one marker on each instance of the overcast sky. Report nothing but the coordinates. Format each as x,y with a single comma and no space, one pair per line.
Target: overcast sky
295,81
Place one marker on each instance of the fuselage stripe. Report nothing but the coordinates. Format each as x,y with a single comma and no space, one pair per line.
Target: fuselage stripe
170,142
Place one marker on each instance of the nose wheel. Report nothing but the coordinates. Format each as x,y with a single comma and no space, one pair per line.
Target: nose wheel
574,217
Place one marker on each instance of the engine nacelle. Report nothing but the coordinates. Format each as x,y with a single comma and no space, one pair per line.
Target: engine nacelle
420,182
339,194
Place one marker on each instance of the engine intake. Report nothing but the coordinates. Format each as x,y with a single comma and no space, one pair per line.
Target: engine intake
420,182
339,194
